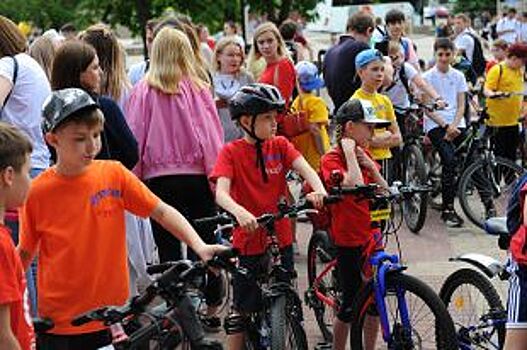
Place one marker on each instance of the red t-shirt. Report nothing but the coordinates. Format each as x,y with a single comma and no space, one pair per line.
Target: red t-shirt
350,218
13,291
285,78
237,161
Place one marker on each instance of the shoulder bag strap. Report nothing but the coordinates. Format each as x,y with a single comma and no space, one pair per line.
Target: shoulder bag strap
15,76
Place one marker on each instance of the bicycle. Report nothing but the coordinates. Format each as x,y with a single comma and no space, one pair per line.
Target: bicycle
138,326
279,323
483,179
387,290
471,298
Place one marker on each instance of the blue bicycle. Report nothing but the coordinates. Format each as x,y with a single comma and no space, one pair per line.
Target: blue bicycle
410,314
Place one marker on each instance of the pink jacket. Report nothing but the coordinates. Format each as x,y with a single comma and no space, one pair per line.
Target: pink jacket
176,134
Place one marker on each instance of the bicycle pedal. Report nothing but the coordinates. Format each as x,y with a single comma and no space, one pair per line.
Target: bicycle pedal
323,346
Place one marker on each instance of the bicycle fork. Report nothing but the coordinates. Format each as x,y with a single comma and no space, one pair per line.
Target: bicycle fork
401,333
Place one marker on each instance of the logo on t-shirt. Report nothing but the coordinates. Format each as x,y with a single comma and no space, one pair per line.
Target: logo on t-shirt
273,163
106,202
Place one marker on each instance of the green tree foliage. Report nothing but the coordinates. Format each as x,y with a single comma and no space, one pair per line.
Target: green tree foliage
474,7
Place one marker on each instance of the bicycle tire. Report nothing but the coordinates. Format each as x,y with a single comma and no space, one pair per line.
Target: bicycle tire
324,315
433,177
281,322
415,207
475,180
445,334
493,304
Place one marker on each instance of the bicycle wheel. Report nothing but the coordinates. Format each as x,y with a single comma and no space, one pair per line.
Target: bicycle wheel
433,174
471,299
320,253
431,326
286,332
414,208
484,188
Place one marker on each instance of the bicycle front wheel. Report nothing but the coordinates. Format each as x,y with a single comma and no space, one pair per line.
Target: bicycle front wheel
472,300
286,331
430,325
322,288
414,208
484,188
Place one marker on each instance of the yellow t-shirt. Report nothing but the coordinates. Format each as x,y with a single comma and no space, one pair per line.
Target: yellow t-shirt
506,111
317,113
384,110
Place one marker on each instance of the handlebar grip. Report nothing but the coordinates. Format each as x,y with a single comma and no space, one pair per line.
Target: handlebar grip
332,199
82,319
220,219
159,268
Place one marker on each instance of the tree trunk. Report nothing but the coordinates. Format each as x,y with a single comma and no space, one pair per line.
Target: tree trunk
143,15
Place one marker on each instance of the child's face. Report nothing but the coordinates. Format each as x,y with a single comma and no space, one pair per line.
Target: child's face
362,133
395,29
397,58
516,62
498,53
267,45
265,125
230,59
76,144
444,57
372,74
18,183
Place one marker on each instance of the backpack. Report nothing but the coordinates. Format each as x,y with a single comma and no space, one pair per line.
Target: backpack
494,31
293,50
404,81
478,59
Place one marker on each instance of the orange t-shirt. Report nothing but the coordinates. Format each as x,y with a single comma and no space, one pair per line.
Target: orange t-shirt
77,225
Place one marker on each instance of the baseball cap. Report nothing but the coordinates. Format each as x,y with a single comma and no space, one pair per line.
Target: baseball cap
367,56
308,77
357,110
61,104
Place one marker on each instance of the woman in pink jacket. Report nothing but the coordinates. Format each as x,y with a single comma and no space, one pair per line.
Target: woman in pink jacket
174,119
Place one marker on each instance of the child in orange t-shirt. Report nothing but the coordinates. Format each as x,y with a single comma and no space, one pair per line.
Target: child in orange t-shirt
351,222
16,330
74,219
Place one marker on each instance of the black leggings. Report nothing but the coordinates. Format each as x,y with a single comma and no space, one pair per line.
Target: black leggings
87,341
193,198
349,265
506,140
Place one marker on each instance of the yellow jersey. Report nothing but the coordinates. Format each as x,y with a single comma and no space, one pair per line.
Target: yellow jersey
317,112
504,111
384,110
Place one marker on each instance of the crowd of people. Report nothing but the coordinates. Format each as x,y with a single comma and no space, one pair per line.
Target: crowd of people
90,151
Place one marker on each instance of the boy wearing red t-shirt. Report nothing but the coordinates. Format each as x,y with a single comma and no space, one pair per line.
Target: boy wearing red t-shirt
250,180
16,329
74,218
350,219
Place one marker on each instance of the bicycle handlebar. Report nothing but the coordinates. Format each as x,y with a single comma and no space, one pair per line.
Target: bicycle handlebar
180,272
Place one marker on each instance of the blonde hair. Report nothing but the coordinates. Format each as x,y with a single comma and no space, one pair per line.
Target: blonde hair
43,51
111,57
218,50
171,61
255,54
394,47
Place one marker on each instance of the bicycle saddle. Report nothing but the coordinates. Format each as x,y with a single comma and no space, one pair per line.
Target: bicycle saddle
496,226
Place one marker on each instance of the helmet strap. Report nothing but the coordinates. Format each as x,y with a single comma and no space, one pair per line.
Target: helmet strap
260,163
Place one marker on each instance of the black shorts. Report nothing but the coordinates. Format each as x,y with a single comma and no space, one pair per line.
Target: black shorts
247,295
349,265
86,341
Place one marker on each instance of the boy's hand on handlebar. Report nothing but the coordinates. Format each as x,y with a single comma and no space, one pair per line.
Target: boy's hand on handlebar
451,133
316,198
246,220
208,251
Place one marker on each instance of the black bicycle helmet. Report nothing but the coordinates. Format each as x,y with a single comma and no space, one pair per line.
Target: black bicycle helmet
254,99
357,110
63,103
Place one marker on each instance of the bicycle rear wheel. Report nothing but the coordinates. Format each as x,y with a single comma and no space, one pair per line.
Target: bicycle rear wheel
471,300
484,188
320,254
431,326
414,208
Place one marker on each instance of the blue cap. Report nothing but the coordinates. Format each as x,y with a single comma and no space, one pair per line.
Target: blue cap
367,56
307,74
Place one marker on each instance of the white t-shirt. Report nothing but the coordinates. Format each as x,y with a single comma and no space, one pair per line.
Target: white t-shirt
397,93
448,85
465,42
506,24
24,107
522,31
